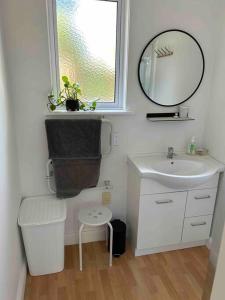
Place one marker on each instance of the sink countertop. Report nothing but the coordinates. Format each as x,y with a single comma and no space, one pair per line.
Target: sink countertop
143,164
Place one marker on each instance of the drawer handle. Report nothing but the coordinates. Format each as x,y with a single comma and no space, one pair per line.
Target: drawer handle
198,224
163,201
202,197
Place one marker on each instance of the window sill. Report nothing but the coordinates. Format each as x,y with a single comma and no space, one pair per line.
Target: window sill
93,113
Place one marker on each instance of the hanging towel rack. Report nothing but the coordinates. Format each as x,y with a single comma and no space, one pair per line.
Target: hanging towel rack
49,168
108,122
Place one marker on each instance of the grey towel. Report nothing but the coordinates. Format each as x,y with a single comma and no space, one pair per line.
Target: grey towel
75,149
80,138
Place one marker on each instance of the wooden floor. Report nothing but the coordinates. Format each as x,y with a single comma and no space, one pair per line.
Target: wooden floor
171,275
208,282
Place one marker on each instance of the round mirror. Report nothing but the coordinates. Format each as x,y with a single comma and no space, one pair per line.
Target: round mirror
171,68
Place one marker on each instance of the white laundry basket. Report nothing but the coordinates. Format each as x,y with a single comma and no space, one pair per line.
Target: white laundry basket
42,220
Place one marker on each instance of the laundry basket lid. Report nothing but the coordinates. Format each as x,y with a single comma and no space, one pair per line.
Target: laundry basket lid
41,210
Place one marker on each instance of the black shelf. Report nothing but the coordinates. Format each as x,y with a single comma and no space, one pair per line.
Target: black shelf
159,117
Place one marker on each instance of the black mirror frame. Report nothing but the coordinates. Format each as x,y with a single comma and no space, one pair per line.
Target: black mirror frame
203,68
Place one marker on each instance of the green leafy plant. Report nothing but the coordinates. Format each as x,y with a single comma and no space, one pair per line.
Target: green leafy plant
70,91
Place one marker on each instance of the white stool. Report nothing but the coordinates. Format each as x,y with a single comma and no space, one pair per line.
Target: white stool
95,216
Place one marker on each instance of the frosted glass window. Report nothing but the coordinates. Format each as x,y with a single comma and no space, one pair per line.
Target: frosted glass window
87,35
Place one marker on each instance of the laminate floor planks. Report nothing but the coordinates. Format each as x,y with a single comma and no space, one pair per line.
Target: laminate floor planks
174,275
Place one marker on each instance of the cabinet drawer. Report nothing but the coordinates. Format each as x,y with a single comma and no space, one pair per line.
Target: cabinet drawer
196,228
161,219
200,202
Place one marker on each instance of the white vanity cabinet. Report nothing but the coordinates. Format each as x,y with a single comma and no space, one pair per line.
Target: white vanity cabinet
162,219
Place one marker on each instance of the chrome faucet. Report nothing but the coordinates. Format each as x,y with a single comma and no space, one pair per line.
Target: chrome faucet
170,153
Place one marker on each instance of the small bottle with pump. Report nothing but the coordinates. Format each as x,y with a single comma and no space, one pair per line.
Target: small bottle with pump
191,149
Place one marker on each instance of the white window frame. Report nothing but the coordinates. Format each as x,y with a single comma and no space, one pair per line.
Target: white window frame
121,53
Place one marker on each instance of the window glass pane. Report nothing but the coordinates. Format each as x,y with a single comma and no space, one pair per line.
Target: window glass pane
86,32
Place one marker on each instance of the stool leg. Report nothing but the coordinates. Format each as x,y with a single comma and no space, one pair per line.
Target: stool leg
106,235
80,246
111,243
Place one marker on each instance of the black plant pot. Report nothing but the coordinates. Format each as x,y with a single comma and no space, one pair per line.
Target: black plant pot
72,105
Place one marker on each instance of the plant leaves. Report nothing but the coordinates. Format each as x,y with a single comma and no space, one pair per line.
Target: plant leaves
65,79
50,96
70,90
59,101
52,107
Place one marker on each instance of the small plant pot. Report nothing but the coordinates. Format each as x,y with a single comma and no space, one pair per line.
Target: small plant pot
72,105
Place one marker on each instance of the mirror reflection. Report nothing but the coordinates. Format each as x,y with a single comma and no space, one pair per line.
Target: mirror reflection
171,68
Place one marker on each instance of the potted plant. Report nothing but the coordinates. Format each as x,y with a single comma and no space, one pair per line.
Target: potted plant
68,97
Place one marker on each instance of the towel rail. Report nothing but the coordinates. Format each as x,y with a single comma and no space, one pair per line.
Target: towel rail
108,122
49,176
49,162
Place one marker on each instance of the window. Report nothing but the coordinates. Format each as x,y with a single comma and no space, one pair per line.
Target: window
88,43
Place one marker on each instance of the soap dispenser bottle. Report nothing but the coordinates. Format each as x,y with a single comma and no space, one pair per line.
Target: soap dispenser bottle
192,146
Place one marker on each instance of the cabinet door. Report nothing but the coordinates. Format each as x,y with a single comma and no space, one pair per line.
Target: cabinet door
161,219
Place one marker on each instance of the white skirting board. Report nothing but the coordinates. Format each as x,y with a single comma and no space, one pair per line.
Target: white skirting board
213,257
94,235
22,283
139,252
209,243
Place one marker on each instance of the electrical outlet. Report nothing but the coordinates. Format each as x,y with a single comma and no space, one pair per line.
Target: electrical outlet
115,139
106,198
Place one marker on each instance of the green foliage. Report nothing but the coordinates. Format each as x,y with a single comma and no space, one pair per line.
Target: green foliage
52,107
71,92
65,79
93,105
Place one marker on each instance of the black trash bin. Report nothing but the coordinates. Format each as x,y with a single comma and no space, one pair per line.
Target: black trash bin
119,237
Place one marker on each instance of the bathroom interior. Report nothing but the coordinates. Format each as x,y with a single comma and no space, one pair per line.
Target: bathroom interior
112,117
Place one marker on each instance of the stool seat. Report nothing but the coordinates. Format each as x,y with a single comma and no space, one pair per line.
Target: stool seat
95,216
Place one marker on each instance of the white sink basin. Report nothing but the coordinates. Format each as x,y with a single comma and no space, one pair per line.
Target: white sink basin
183,171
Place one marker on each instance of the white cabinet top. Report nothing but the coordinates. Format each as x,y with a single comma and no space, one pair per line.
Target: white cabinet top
183,171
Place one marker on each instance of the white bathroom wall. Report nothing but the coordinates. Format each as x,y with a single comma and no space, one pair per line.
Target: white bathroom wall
13,268
214,137
218,222
218,288
27,51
